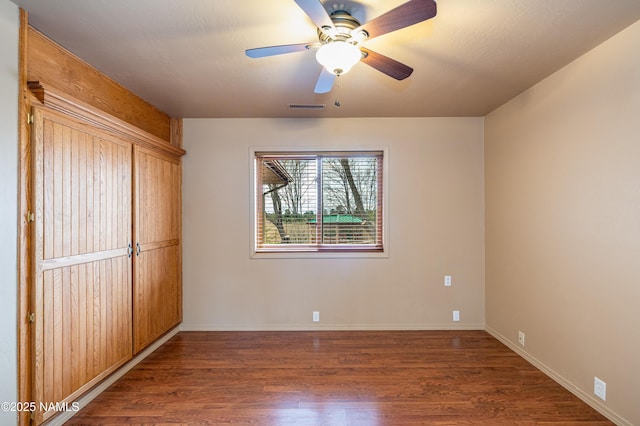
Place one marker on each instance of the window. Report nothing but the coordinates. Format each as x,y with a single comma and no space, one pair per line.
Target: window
318,201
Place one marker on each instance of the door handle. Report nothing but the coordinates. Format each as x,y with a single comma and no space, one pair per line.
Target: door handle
129,250
137,249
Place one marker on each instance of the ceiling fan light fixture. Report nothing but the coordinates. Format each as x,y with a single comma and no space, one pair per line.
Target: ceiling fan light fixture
338,56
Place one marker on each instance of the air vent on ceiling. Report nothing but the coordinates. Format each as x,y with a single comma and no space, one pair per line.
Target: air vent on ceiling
306,106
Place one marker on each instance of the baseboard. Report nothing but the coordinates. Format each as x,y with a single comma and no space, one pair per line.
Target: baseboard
327,327
98,389
567,384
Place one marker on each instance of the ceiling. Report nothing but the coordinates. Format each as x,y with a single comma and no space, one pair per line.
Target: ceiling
187,56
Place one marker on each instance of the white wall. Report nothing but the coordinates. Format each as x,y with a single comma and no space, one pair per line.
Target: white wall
563,223
9,26
436,228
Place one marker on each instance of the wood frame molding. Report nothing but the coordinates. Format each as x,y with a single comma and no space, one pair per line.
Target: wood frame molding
51,98
176,132
24,239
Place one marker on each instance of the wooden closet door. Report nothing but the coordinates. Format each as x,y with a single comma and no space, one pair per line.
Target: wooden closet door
157,303
82,289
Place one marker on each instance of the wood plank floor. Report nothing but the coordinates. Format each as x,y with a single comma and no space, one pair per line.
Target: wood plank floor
336,378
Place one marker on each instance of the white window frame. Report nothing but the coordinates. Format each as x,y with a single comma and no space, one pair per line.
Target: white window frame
313,254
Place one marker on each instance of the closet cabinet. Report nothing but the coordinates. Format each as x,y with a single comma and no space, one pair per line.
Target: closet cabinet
157,303
106,244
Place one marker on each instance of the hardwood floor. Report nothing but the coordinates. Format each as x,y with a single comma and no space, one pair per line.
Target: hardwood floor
336,378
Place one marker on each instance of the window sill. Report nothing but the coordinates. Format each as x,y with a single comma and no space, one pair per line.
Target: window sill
319,254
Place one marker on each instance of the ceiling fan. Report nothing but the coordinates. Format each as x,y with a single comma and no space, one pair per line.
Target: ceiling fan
340,38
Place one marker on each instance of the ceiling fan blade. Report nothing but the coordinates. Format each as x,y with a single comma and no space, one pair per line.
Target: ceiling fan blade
405,15
325,81
261,52
386,65
316,12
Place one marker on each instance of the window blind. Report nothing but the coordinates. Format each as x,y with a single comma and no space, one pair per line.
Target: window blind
319,201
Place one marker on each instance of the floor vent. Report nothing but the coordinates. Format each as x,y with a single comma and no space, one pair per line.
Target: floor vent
306,106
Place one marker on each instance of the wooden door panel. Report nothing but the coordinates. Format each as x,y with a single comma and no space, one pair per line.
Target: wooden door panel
158,266
158,194
83,274
158,294
86,327
87,180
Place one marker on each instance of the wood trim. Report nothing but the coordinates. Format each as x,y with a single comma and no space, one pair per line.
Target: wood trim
158,245
35,289
24,240
66,104
176,132
51,63
61,262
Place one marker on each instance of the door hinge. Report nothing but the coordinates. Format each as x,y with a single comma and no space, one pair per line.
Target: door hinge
29,118
31,217
31,317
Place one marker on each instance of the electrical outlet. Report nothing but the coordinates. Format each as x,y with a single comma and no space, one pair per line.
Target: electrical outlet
521,338
447,280
456,315
316,316
600,388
